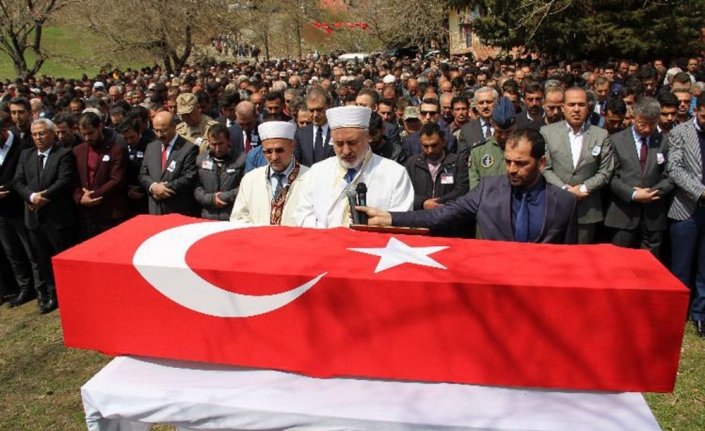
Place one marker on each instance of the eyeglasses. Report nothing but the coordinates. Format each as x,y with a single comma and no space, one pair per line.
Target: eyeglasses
273,150
428,113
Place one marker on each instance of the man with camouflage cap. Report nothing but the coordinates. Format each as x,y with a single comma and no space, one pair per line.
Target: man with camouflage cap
487,156
194,125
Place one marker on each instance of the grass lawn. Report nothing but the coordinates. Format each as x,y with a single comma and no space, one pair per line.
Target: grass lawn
74,53
40,379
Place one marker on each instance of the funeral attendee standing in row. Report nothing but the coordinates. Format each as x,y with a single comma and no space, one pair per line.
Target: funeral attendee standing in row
324,201
313,142
520,206
102,173
14,236
579,159
45,180
687,213
220,171
169,171
269,194
437,177
640,185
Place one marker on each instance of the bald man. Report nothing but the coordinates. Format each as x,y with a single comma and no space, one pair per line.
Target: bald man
168,170
243,134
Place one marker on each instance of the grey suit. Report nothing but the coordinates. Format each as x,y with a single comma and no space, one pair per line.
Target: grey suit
470,134
491,204
181,178
594,168
623,213
688,213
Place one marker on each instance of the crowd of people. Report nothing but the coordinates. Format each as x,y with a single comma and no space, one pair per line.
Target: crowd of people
501,149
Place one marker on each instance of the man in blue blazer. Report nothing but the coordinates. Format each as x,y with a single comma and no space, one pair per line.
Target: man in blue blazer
520,206
313,141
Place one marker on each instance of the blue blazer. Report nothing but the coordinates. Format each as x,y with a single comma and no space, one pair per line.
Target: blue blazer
491,204
304,146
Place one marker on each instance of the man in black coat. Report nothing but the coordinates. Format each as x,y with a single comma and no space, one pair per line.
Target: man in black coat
14,236
438,177
45,180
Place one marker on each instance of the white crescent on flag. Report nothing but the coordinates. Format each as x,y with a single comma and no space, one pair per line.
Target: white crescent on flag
161,260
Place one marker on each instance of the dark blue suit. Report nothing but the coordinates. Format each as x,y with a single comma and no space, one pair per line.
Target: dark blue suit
304,152
490,203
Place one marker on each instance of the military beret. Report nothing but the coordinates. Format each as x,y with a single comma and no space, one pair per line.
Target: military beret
504,114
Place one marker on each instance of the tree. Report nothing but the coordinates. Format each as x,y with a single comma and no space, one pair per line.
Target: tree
21,25
168,30
403,22
599,29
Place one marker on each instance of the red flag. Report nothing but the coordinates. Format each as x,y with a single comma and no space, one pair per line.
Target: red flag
343,303
364,26
328,30
338,24
318,25
351,25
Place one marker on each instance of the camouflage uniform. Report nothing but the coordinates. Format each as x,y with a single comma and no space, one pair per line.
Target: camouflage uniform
197,135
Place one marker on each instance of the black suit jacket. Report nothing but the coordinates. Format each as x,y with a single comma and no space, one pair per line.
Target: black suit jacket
523,122
491,204
622,212
12,205
181,179
304,146
58,179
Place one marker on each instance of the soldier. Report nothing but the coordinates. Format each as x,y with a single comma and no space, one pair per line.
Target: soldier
194,125
487,156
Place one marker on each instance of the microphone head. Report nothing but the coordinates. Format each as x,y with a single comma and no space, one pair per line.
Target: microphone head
361,188
352,194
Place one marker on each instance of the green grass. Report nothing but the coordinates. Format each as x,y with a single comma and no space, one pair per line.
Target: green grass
40,379
74,52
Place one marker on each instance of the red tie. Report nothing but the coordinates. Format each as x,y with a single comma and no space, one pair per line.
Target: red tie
643,153
248,142
164,156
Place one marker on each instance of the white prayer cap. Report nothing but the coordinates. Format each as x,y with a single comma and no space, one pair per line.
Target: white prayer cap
276,129
389,79
349,116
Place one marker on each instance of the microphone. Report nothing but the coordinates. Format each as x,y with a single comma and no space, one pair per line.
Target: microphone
362,201
352,200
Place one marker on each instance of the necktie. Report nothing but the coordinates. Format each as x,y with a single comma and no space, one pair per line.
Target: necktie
278,189
318,145
248,142
488,132
350,175
40,163
643,152
521,230
164,155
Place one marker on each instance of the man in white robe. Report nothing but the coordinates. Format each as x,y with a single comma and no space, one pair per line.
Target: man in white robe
269,195
324,201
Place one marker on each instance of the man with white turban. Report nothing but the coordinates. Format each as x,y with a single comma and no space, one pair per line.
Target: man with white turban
324,201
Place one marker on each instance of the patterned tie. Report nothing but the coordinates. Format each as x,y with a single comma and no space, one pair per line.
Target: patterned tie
521,230
318,145
248,142
488,131
643,153
280,185
164,155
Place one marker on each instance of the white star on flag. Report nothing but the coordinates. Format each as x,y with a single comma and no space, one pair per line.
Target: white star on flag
397,253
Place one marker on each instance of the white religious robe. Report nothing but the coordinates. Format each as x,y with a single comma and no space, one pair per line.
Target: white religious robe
324,202
253,203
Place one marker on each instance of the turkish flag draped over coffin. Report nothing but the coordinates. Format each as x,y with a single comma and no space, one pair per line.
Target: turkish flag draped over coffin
342,303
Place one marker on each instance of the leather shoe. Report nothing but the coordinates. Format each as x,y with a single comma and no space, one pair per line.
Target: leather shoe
22,298
50,304
699,327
